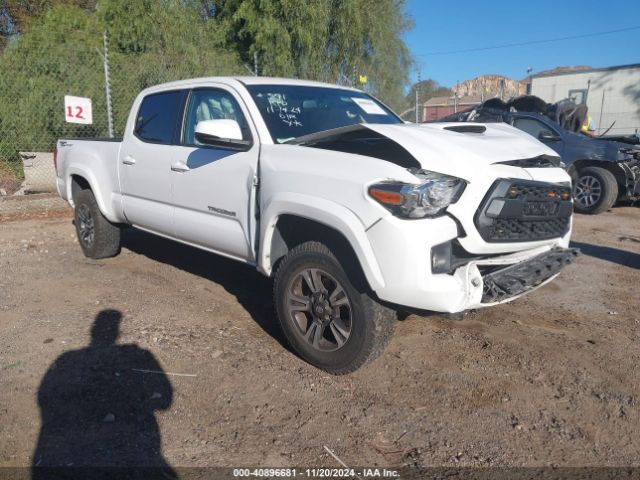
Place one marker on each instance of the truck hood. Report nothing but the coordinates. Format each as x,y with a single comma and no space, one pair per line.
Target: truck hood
456,149
459,148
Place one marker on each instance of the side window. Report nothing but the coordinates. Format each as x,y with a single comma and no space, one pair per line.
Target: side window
212,104
578,96
158,117
531,126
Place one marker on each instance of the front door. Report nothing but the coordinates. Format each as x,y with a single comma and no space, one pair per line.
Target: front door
535,128
214,188
145,158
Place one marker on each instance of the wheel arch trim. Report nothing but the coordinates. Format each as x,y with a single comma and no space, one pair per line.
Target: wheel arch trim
88,176
325,213
612,167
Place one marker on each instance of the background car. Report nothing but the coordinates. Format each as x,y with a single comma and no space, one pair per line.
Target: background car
602,171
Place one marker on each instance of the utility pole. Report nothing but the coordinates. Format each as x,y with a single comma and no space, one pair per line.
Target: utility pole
418,98
455,98
107,82
253,72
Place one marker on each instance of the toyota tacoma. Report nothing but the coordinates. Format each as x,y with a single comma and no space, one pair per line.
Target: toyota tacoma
353,212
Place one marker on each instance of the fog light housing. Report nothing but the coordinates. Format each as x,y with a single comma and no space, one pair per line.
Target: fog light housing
441,258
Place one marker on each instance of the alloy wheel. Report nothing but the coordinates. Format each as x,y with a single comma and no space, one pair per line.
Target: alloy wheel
86,228
587,191
320,309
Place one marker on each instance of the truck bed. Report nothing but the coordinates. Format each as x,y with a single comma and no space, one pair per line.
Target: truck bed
96,160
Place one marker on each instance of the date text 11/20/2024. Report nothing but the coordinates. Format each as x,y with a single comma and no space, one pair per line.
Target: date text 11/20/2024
316,472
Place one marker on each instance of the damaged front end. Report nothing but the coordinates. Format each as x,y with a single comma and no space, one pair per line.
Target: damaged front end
629,163
504,283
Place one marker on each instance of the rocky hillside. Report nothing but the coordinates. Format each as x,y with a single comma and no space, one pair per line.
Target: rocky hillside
488,86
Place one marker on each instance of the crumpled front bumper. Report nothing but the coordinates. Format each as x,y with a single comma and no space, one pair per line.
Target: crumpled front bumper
403,253
514,280
500,279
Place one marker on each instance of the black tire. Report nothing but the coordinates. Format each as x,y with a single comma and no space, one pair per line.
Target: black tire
98,237
370,324
595,191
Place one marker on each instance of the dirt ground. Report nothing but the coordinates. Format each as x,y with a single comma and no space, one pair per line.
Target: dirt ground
549,380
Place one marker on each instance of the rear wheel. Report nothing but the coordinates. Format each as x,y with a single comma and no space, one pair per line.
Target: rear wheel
326,320
595,191
98,237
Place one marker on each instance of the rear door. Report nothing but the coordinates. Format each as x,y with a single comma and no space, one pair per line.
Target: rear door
145,156
214,188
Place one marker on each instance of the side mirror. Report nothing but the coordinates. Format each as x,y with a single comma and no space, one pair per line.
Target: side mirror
222,133
548,135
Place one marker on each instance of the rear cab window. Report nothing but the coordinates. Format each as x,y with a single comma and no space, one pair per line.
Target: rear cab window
159,117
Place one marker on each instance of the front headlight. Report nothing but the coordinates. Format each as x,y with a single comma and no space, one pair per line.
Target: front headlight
428,199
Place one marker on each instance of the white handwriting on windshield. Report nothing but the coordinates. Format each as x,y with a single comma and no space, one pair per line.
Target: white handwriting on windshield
278,105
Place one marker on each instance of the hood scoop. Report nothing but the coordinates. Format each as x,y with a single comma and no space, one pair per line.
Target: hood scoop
468,128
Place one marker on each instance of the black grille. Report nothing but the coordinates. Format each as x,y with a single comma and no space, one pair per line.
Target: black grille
532,192
514,229
521,211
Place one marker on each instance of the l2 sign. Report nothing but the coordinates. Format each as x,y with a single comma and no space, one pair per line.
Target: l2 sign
78,110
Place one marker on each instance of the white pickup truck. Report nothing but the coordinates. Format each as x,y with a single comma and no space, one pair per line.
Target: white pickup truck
355,213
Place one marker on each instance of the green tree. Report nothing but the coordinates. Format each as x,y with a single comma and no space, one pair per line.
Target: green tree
151,42
428,88
22,12
42,70
7,26
157,42
329,40
54,46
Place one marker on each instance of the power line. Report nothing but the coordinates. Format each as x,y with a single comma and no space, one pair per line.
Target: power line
533,42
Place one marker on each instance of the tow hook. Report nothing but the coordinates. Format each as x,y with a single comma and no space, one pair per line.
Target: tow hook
458,316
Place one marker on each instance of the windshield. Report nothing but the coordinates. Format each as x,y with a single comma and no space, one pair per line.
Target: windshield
294,111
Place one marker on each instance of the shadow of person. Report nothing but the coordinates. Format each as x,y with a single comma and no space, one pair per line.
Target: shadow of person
98,410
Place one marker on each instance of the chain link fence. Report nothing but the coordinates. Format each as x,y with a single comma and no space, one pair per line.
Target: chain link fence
32,102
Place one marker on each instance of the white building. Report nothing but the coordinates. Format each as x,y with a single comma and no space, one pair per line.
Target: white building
612,94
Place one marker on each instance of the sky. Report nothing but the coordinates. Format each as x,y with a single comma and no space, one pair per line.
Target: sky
445,26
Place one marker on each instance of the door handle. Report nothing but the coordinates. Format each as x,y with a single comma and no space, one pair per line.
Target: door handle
129,160
179,167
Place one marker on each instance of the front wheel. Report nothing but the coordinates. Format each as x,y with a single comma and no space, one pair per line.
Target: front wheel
326,320
595,191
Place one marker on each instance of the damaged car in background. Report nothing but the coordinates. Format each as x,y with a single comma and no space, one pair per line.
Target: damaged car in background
603,170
